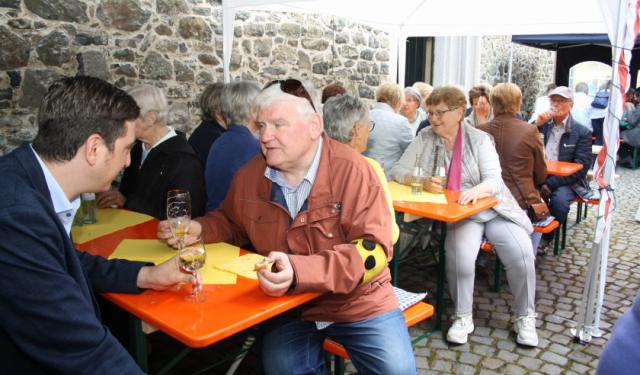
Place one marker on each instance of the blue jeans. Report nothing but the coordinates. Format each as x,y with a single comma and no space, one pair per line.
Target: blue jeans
559,202
379,345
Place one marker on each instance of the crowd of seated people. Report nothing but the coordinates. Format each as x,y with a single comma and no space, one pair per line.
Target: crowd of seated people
304,182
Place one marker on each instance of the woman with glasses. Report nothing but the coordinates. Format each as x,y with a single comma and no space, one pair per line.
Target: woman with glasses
473,168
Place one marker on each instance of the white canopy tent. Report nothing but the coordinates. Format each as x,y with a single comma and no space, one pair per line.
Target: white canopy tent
406,18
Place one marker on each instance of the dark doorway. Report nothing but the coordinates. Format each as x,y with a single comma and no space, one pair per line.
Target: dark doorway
419,62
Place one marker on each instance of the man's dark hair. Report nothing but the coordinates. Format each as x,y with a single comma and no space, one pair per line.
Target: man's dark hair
76,107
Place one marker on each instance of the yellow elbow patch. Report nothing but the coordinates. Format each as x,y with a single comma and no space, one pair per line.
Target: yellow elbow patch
374,258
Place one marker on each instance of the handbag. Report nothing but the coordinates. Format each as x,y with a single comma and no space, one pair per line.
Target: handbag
601,100
537,211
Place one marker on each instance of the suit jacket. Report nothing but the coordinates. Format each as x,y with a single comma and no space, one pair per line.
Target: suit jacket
575,147
521,156
49,319
170,165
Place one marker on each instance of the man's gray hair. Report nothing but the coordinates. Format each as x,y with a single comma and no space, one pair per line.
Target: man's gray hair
151,99
582,87
273,94
340,113
237,100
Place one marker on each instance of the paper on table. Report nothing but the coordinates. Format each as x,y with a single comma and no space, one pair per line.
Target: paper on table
156,251
243,265
401,192
109,220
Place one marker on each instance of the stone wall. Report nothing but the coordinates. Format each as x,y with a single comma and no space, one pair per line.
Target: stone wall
532,68
174,44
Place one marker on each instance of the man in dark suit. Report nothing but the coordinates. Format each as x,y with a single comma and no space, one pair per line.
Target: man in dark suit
565,140
49,319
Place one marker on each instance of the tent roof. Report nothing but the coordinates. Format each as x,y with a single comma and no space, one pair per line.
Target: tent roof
554,42
453,17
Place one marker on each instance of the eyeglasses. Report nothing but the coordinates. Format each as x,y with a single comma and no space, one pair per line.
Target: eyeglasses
439,114
372,125
292,87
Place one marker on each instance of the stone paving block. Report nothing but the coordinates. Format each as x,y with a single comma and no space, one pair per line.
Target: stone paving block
530,364
560,349
476,338
470,358
507,356
488,372
422,363
492,363
581,369
554,358
511,369
551,369
508,345
483,350
448,355
444,366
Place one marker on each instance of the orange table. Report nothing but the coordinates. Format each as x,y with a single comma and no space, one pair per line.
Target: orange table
562,168
228,309
443,213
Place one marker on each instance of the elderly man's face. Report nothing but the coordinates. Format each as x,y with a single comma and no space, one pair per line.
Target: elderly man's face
286,136
560,106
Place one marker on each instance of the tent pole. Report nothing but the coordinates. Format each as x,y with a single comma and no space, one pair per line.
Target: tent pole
510,62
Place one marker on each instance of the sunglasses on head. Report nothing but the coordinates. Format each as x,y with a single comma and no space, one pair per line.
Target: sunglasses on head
293,87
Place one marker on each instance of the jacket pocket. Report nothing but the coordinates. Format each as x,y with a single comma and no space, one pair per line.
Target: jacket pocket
324,225
262,223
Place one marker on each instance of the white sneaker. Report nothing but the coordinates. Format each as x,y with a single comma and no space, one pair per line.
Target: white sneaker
525,327
460,330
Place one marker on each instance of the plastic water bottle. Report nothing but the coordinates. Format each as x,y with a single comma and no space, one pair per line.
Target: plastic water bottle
89,208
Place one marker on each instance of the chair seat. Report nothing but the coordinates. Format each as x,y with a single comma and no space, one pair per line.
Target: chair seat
412,315
588,201
547,228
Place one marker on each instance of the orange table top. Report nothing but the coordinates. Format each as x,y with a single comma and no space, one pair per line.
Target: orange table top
228,309
450,212
562,168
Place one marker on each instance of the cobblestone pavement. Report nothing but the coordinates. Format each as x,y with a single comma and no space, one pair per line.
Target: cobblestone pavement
560,280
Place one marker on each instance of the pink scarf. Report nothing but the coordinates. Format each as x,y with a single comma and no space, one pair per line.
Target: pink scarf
454,179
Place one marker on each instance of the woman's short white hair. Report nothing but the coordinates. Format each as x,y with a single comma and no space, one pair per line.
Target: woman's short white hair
340,113
237,100
151,99
273,94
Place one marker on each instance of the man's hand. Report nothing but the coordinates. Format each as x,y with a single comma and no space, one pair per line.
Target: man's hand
545,192
544,117
164,233
277,283
163,276
111,198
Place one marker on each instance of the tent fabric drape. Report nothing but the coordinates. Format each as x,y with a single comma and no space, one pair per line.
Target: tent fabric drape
623,23
436,18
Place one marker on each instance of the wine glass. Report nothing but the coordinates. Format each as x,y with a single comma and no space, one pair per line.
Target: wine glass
179,214
192,259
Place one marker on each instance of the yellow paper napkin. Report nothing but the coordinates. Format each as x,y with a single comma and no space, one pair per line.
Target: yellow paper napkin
401,192
156,251
109,221
243,265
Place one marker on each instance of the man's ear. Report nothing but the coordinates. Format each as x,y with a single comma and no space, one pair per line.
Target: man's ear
92,148
316,126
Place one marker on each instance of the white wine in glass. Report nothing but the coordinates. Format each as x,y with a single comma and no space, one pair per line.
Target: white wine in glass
179,214
192,259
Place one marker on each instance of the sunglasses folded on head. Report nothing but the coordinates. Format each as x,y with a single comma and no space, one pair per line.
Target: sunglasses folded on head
293,87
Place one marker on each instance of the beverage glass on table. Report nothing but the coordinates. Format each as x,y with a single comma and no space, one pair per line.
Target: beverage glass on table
192,259
179,214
